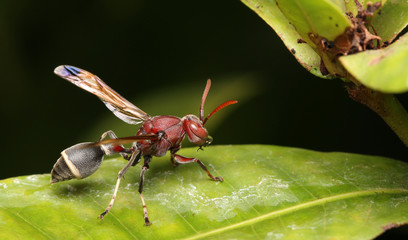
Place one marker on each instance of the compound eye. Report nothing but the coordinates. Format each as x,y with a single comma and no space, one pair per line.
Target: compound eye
196,133
198,130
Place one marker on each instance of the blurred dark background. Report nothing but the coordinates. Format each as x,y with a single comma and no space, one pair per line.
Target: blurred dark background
158,54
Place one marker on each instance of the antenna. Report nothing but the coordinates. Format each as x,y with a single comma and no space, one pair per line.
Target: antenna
221,106
207,88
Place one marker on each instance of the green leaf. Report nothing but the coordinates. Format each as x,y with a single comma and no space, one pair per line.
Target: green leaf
323,18
269,192
392,19
384,69
273,16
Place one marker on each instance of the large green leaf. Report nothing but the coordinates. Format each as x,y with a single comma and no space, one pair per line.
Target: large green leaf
384,70
269,192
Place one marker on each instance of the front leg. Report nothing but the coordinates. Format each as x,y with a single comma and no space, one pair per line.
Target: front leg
183,160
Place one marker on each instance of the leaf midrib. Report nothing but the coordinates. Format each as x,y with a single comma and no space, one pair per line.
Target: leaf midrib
301,206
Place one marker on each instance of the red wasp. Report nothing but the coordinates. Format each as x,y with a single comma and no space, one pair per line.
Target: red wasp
156,136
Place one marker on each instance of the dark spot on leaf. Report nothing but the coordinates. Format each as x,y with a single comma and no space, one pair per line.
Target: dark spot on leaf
330,17
337,25
327,44
372,7
323,68
293,50
301,40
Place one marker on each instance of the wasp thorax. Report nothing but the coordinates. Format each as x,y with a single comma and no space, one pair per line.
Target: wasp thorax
78,161
195,131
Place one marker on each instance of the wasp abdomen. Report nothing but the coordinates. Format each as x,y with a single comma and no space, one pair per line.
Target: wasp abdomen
78,161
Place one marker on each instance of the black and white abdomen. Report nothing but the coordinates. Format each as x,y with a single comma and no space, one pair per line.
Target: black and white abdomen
78,161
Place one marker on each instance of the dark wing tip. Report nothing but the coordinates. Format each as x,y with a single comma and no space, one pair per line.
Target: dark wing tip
67,71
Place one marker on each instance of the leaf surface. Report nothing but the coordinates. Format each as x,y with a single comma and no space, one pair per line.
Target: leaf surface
392,19
269,192
324,18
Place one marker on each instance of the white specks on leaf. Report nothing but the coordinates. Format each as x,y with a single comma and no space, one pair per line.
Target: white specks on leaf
273,235
27,181
269,191
397,201
299,227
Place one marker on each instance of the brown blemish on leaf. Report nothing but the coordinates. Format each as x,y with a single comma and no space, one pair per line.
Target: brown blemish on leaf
356,38
301,41
323,68
376,60
293,51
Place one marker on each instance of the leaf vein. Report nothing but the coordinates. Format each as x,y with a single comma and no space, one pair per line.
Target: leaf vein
301,206
17,214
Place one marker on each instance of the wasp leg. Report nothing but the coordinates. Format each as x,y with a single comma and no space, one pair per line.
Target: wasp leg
184,160
112,135
134,157
145,167
172,153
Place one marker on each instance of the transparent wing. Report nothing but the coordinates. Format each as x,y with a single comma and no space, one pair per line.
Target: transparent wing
121,107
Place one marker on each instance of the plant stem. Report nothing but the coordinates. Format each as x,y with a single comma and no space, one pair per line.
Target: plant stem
385,105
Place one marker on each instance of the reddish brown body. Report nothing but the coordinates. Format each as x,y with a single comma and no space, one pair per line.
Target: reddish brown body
172,131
